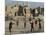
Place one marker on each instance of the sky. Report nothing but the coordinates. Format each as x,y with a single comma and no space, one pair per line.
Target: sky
31,4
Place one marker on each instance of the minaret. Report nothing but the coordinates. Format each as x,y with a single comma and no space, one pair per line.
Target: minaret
26,3
26,9
16,3
17,7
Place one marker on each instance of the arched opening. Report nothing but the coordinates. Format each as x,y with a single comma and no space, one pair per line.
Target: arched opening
15,13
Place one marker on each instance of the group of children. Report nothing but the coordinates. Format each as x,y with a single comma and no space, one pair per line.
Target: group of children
33,22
